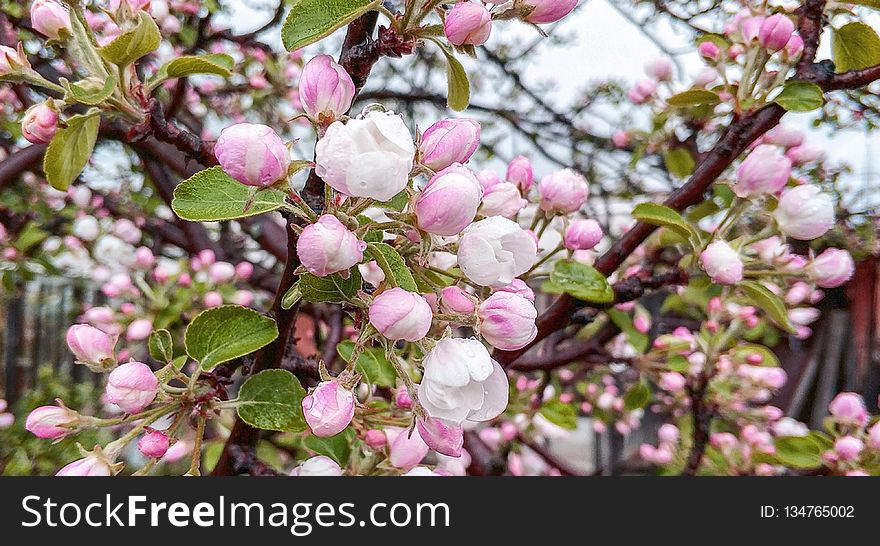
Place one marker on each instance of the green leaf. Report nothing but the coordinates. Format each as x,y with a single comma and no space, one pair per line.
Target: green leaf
212,196
769,302
372,364
623,321
30,236
91,95
855,46
679,162
272,400
70,150
637,397
661,215
580,281
161,346
694,97
560,414
130,46
218,64
678,363
224,333
312,20
458,85
336,447
868,3
330,289
742,352
396,271
798,452
800,97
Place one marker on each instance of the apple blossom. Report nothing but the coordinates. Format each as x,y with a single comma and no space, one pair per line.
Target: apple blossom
327,247
548,11
328,409
407,448
848,448
375,438
494,251
764,171
92,465
449,202
583,235
139,330
507,321
325,88
370,156
849,408
804,212
132,387
874,437
253,154
468,23
221,272
462,382
399,314
775,32
563,191
709,50
51,422
317,466
722,263
91,346
40,123
518,286
442,436
455,301
50,18
831,268
449,141
153,444
520,173
487,179
502,199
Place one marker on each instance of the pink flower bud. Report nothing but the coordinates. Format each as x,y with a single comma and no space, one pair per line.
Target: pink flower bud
50,18
804,212
325,88
50,422
708,50
583,235
672,381
402,399
399,314
93,465
722,263
245,298
518,286
849,408
10,60
327,247
39,124
375,438
444,437
221,272
252,154
328,409
144,258
668,433
549,11
213,299
775,32
468,23
244,270
487,179
318,466
563,191
785,136
794,48
874,437
750,27
507,321
139,330
91,346
132,387
154,444
801,155
764,171
520,173
831,268
660,69
449,202
449,141
455,301
848,448
407,449
502,199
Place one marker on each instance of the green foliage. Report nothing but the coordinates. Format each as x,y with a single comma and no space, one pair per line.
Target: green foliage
800,97
855,46
212,196
131,45
391,262
225,333
580,281
330,289
161,346
272,400
336,447
560,414
372,364
312,20
70,149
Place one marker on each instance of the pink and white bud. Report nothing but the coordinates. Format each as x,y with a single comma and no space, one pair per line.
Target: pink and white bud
805,212
660,69
642,91
245,298
507,321
317,466
449,141
487,179
132,387
583,235
672,382
563,191
370,156
520,173
805,153
722,263
144,258
253,154
50,18
244,270
399,314
709,51
402,399
831,268
848,448
139,330
51,422
213,299
785,136
468,23
775,32
548,11
874,437
93,465
794,49
327,247
764,171
442,436
503,199
328,409
40,123
154,444
325,88
221,272
449,202
668,433
519,286
849,408
407,449
750,27
91,346
455,301
375,438
10,60
494,251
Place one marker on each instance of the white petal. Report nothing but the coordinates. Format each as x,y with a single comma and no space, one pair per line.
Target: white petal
496,391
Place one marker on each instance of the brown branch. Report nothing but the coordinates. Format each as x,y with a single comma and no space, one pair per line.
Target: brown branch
20,162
